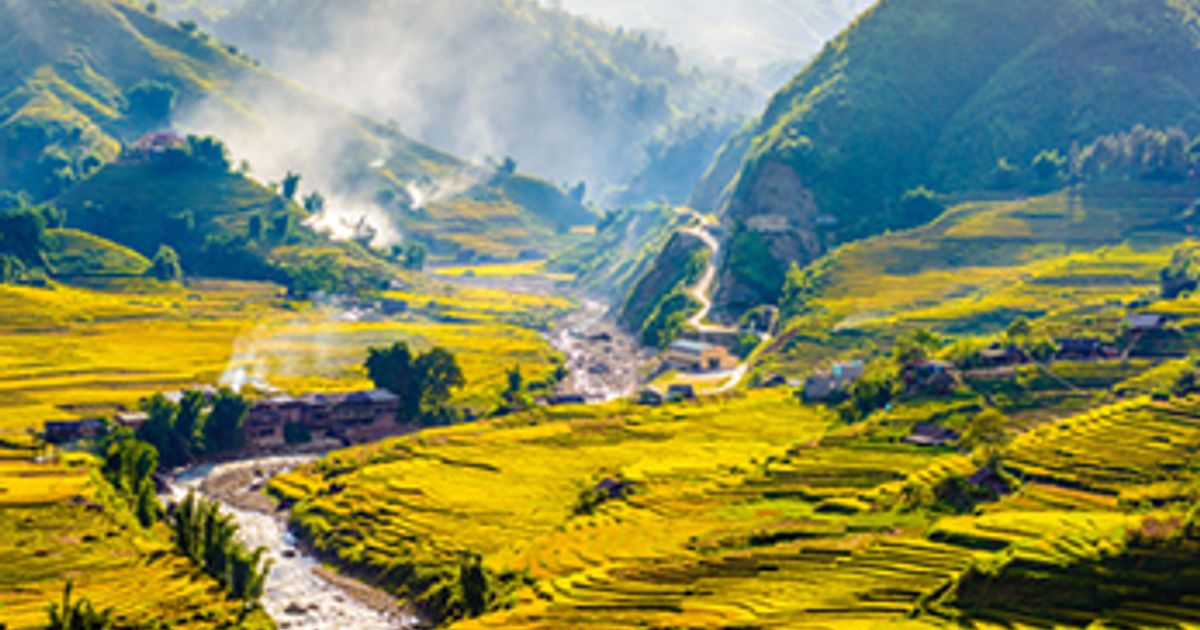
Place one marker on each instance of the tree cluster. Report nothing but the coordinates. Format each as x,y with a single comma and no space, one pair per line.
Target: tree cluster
79,614
129,467
1139,154
209,539
424,382
1182,275
182,432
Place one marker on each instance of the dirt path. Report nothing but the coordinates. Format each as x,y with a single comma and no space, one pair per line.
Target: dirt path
702,290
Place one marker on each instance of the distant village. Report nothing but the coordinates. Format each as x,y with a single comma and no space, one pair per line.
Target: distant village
1142,335
323,421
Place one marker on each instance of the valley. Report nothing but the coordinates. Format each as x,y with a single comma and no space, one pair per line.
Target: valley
534,315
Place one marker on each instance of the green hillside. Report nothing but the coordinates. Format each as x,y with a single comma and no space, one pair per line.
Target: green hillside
221,223
85,78
625,245
936,94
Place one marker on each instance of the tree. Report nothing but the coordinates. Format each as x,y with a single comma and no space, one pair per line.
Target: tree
516,386
209,153
918,346
151,101
1048,169
423,382
1005,176
414,257
128,466
188,422
364,233
159,431
11,269
255,228
281,226
438,373
988,431
920,206
291,184
314,203
392,369
165,265
1182,275
223,429
23,235
78,615
797,290
1019,331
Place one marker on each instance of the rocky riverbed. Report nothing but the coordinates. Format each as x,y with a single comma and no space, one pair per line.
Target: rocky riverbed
300,593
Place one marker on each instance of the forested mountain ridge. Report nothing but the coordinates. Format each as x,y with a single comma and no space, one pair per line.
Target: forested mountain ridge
951,95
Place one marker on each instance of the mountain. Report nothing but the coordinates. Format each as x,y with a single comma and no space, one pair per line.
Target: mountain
567,98
953,95
84,78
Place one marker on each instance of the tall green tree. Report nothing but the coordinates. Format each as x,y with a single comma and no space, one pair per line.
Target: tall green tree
291,185
438,373
423,382
222,430
165,265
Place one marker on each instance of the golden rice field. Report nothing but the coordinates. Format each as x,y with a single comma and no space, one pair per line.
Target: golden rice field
68,352
73,352
59,525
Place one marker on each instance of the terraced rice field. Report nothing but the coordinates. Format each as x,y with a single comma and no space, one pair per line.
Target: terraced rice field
57,528
789,525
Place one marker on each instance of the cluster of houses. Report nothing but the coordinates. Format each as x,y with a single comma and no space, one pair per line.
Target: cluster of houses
271,423
345,418
932,377
698,357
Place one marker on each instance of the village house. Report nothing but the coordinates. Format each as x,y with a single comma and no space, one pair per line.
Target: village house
65,432
153,145
1001,357
350,418
680,392
699,356
931,434
832,383
132,420
651,397
929,377
1083,349
1144,323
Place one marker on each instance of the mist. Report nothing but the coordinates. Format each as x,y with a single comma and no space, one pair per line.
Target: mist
487,78
745,34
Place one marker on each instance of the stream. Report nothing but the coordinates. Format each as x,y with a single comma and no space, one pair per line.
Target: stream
302,595
296,596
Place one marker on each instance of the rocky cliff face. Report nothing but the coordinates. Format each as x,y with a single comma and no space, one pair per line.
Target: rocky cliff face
940,94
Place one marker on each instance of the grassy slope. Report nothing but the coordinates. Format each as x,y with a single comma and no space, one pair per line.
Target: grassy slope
934,94
622,249
75,253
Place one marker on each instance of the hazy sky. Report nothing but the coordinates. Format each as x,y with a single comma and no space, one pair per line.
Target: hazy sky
748,32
